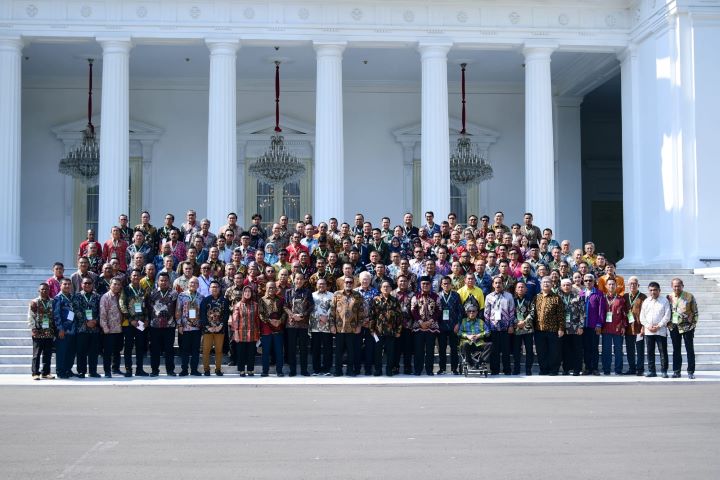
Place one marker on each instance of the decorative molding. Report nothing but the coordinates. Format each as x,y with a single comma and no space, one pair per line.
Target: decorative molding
410,137
253,137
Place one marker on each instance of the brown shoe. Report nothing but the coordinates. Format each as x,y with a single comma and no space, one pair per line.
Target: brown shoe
49,376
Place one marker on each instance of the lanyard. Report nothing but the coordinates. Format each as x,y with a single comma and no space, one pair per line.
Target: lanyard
135,293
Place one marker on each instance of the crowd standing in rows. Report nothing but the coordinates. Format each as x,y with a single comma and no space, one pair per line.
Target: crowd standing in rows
378,299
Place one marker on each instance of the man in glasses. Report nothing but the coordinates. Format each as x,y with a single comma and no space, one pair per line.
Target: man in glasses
596,309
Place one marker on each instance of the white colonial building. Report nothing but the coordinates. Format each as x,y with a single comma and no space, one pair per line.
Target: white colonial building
600,116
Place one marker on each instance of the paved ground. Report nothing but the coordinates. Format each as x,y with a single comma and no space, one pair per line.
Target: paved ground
412,431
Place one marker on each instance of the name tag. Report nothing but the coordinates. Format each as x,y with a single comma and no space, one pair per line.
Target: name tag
45,322
71,315
192,313
519,317
113,255
446,315
675,318
608,317
497,315
88,314
138,307
631,317
568,319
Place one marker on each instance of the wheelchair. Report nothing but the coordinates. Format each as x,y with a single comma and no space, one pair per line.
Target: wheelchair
474,360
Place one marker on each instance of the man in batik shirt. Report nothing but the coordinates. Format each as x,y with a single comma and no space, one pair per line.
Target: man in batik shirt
682,326
161,306
298,307
86,306
522,329
499,320
321,337
42,327
405,344
425,310
571,342
135,328
115,249
452,313
150,232
346,314
385,326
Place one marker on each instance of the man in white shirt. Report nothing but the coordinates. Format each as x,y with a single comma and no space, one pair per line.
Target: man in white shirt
654,317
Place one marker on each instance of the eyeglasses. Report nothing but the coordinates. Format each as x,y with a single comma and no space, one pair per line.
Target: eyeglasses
588,281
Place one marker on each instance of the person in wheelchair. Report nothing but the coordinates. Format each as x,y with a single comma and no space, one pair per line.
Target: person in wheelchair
473,335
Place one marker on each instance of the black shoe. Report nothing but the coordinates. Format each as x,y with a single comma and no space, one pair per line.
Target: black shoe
691,376
596,373
553,374
117,371
676,375
196,373
183,373
566,373
664,375
141,373
651,375
337,374
251,374
417,374
377,374
440,372
628,372
280,374
232,364
291,374
108,375
640,373
206,373
576,374
455,372
128,374
219,373
94,375
305,374
353,375
154,374
171,374
264,374
528,374
606,374
80,375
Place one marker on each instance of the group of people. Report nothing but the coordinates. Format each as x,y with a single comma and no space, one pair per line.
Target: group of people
361,299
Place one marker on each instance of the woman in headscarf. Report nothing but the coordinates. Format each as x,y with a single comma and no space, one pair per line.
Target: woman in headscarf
246,331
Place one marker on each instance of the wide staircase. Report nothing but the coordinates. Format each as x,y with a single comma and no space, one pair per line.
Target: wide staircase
18,285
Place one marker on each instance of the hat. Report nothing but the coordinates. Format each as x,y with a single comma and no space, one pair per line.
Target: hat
471,307
424,278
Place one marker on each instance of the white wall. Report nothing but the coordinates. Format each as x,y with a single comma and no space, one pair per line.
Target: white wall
373,171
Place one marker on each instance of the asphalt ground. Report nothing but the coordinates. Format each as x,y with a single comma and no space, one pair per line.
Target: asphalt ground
361,431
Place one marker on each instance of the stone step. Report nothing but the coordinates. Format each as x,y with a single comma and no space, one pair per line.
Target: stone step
13,341
14,333
13,324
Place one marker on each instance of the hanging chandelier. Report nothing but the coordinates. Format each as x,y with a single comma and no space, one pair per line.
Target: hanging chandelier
83,161
468,166
277,165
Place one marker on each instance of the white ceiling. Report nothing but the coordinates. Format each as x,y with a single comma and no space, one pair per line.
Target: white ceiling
255,63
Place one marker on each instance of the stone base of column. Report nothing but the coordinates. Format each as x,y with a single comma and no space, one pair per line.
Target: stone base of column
10,260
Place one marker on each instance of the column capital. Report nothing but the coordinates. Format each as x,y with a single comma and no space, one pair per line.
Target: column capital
437,50
628,52
538,50
223,46
115,44
13,44
329,49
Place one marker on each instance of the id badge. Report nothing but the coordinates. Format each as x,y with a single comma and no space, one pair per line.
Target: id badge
446,315
497,315
88,315
608,317
568,319
113,256
631,318
192,314
71,316
45,322
675,318
519,317
138,307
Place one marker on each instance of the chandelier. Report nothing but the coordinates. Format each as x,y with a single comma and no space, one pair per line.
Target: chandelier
467,165
277,165
83,161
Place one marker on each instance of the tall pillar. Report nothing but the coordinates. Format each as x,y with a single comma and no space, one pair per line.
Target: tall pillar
329,187
631,162
539,154
435,131
222,182
10,91
114,175
568,187
408,154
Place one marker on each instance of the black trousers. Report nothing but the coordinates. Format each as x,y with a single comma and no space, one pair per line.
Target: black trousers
297,338
386,343
42,352
190,350
443,339
116,351
132,337
88,345
518,341
246,356
677,339
405,350
548,351
500,349
162,339
321,345
345,342
591,341
110,340
572,353
364,351
635,353
424,351
661,342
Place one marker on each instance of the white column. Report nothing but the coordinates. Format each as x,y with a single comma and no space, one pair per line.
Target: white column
539,154
631,161
114,175
408,154
568,187
10,91
435,131
329,185
222,184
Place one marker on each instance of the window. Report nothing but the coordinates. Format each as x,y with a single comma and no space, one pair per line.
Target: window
291,202
93,206
271,201
458,202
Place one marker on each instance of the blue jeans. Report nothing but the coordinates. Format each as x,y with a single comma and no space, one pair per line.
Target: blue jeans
614,342
65,355
275,341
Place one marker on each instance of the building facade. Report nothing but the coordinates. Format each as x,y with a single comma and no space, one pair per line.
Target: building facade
370,105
